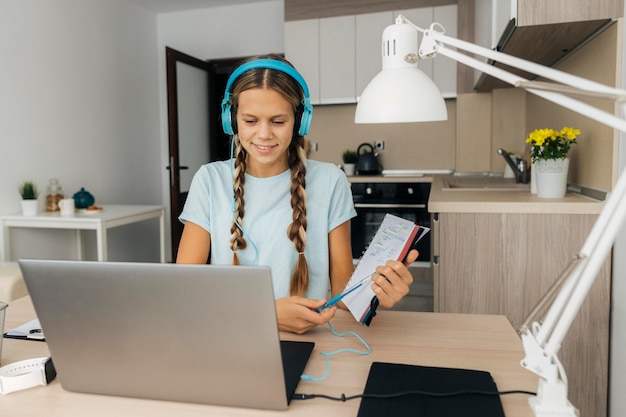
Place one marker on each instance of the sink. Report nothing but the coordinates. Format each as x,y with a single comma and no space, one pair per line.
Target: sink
482,183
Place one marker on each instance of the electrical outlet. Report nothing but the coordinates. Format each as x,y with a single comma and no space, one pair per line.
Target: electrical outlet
379,144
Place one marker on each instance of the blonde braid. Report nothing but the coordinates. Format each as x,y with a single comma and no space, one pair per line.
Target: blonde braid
237,240
297,229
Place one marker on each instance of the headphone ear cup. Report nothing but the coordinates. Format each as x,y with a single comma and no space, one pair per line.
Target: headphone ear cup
227,126
304,121
233,121
298,120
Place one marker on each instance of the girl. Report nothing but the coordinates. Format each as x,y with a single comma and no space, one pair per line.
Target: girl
269,205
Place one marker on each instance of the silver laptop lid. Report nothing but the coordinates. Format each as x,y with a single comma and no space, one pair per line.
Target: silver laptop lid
193,333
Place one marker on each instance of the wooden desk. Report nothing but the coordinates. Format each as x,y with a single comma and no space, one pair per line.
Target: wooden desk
431,339
100,221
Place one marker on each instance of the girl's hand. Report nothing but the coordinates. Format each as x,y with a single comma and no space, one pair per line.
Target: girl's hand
299,314
392,280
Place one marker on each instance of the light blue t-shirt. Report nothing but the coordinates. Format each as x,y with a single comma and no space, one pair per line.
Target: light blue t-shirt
267,216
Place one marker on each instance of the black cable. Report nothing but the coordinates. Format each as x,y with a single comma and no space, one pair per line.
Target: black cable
345,398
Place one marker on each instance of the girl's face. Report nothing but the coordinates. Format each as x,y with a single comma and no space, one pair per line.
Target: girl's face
265,122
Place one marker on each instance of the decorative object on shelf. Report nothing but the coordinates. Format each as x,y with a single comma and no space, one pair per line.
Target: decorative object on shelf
28,191
83,199
549,156
54,194
67,207
349,158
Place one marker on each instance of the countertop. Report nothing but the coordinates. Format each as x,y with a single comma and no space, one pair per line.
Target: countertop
494,201
389,179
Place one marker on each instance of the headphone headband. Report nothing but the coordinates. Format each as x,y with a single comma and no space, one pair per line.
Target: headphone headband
307,111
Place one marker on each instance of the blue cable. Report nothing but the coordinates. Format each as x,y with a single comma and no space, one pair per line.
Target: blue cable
327,355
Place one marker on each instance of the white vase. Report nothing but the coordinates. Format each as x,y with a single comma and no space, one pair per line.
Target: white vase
551,176
349,169
29,207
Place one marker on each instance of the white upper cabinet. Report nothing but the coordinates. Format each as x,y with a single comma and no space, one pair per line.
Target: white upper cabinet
302,49
369,61
337,60
338,56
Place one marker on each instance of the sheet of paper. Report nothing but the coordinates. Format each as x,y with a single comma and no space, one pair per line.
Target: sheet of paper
30,330
392,241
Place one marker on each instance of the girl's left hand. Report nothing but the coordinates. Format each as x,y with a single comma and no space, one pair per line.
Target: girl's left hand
392,280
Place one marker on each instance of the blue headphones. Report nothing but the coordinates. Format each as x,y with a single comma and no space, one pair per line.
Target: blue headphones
304,113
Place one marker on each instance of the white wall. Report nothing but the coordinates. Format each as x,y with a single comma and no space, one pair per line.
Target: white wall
79,102
219,32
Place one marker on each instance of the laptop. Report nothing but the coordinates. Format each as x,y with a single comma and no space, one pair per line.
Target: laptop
192,333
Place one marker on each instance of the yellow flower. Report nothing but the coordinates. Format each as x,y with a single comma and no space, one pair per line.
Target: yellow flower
550,143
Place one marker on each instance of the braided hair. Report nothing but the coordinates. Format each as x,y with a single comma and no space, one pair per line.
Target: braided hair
296,232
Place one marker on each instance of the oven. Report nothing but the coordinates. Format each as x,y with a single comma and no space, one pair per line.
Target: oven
372,200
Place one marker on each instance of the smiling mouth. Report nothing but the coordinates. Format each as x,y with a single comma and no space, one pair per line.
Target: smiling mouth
265,147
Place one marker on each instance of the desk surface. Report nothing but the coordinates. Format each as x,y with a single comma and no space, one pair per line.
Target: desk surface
431,339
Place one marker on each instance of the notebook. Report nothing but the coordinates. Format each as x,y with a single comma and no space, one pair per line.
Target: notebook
191,333
392,378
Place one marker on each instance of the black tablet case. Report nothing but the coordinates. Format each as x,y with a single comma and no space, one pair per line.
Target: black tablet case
391,378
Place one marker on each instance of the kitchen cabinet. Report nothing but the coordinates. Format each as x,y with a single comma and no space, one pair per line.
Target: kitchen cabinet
541,31
337,60
302,49
339,55
503,263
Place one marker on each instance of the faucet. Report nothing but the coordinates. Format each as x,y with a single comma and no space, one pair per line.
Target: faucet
520,169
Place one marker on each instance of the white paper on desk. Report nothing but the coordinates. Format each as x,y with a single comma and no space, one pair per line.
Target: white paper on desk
392,241
25,330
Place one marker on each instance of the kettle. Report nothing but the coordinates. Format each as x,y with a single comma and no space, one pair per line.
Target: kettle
367,163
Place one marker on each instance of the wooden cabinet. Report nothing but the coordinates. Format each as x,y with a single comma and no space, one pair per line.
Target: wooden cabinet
339,55
540,31
489,263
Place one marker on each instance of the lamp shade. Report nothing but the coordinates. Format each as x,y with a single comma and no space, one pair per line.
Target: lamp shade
401,92
400,95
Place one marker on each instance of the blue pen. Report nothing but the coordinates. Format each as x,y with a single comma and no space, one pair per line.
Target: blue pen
338,298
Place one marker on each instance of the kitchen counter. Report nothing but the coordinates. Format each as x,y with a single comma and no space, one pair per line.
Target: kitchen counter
388,179
495,201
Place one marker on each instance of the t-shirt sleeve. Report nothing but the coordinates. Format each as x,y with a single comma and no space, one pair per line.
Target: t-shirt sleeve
341,204
197,205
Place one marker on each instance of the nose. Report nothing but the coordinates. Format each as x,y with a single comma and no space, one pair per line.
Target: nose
265,130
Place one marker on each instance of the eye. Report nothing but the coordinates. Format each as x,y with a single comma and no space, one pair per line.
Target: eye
279,122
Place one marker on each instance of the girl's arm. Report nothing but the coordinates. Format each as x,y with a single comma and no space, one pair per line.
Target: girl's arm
194,246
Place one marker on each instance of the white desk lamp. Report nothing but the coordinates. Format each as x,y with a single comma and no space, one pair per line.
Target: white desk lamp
541,340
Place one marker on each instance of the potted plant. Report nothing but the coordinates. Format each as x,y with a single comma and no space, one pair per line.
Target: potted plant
349,158
28,191
550,164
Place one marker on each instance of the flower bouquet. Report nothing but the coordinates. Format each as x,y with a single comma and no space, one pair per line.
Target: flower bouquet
549,160
550,143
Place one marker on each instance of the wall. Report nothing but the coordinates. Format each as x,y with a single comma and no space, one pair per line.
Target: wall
592,159
79,103
407,145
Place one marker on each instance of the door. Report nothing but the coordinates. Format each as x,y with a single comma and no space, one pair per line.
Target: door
189,115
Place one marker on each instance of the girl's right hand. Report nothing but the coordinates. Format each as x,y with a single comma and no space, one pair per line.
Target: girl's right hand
299,314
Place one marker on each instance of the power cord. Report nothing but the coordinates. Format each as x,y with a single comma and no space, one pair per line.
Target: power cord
345,398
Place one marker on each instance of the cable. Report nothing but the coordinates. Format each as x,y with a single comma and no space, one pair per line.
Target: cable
327,355
345,398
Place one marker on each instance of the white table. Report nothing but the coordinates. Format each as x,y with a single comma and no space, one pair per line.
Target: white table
109,217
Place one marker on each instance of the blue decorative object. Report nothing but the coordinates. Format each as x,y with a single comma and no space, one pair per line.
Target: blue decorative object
83,199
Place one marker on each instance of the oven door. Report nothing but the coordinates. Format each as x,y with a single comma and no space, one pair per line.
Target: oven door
370,216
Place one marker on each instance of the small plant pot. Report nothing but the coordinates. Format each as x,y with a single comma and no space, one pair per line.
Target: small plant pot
349,169
29,207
